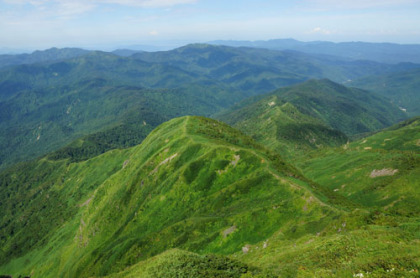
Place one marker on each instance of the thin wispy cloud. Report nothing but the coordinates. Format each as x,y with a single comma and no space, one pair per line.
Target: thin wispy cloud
85,22
319,30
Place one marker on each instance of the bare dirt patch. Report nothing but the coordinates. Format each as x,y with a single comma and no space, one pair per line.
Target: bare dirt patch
228,231
164,162
383,172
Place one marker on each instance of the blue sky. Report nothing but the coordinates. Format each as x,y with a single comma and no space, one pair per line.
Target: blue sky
39,24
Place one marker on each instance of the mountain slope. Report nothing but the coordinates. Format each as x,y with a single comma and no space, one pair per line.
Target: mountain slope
41,105
379,239
401,87
44,107
378,171
280,126
310,114
194,183
349,110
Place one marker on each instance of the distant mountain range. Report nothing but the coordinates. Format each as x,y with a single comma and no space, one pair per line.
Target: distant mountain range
379,52
49,103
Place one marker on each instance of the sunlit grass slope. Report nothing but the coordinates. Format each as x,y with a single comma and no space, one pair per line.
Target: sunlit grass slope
380,238
382,170
194,183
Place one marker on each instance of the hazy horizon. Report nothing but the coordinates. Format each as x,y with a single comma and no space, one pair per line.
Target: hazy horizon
110,24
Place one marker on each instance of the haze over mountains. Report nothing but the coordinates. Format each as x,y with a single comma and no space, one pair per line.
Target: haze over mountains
379,52
111,166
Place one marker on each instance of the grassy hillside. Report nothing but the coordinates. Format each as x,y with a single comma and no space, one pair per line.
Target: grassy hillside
280,126
198,197
380,171
380,239
194,183
401,87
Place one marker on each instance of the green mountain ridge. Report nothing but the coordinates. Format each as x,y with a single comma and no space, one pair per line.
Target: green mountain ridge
185,186
200,186
281,126
401,87
310,115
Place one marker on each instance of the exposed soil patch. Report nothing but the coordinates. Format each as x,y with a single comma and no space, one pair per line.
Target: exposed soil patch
384,172
86,202
164,162
228,231
235,159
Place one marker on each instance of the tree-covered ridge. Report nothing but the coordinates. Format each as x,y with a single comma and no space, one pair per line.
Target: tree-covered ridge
45,106
257,70
310,115
401,87
349,110
281,126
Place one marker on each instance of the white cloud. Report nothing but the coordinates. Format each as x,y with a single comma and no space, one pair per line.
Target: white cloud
67,9
153,33
319,30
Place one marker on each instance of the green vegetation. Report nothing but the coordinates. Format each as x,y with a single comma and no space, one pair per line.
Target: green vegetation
118,193
380,171
314,114
178,263
349,110
194,183
401,87
280,126
52,54
72,93
198,197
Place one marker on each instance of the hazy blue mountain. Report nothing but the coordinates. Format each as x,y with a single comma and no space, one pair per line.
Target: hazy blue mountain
260,70
380,52
125,52
52,54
